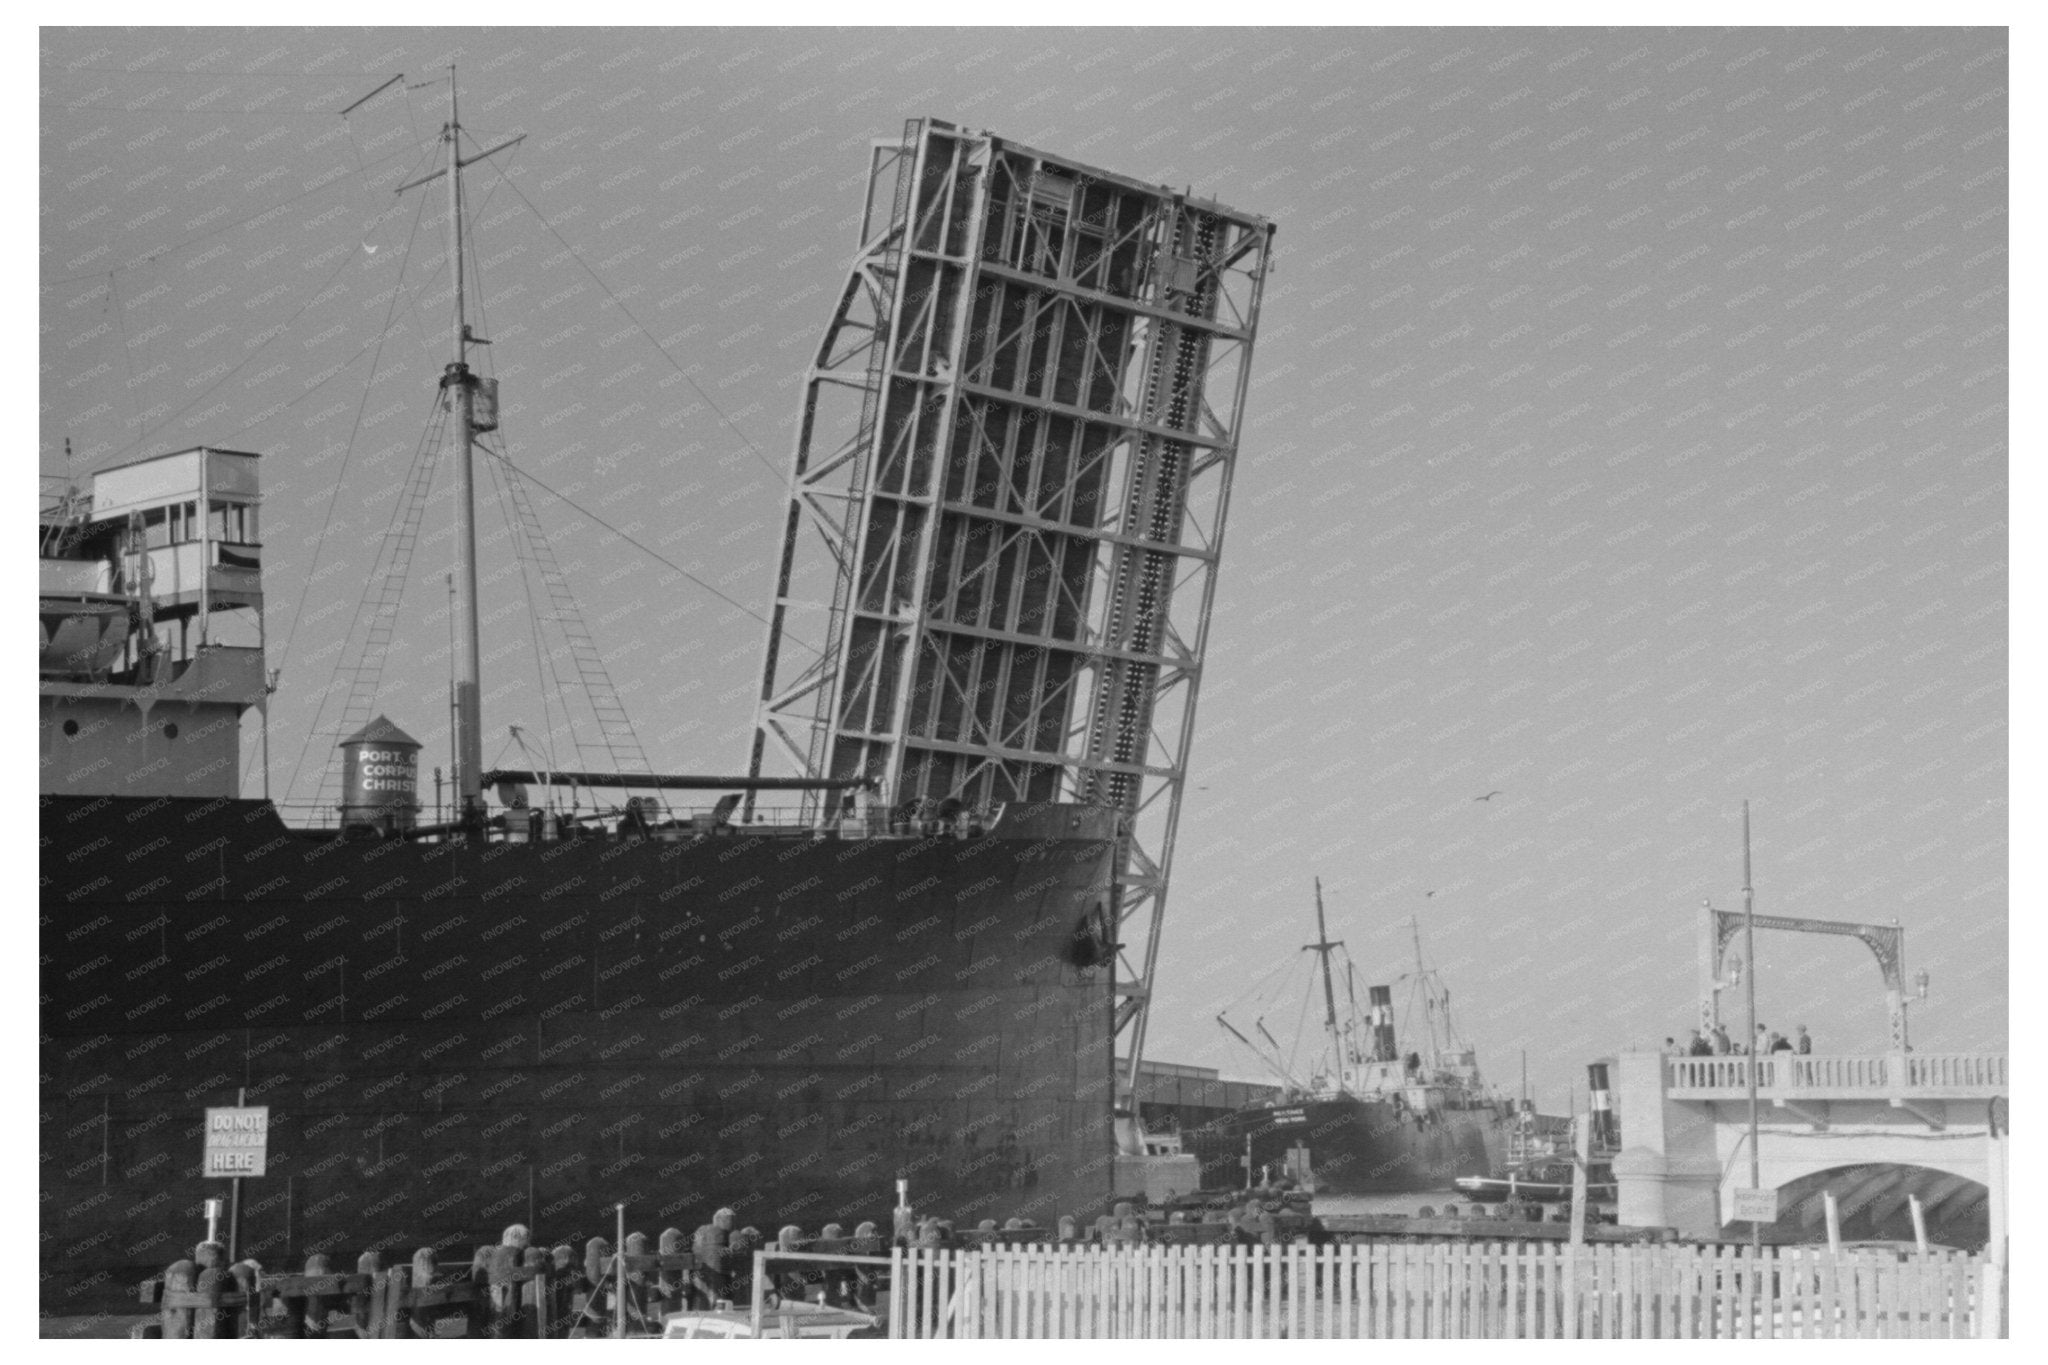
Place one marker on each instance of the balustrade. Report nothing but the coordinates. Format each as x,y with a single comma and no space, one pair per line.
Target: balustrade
1842,1075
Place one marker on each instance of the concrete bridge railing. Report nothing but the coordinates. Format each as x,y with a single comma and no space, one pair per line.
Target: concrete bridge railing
1903,1075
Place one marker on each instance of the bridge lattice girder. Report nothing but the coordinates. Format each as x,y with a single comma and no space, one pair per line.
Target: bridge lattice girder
1007,503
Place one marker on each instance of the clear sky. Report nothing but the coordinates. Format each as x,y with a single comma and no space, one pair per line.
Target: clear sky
1627,437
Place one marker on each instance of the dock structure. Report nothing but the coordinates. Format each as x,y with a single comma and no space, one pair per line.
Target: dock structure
1173,1096
1006,507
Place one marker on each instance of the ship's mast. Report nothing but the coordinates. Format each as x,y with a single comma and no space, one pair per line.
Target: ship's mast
469,733
1428,991
1321,947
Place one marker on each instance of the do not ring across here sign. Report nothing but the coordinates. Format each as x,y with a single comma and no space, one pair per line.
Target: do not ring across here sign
237,1139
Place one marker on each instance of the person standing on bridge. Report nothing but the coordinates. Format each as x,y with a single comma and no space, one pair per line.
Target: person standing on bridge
1804,1046
1722,1047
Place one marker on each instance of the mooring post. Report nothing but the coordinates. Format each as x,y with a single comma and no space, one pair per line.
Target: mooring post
179,1279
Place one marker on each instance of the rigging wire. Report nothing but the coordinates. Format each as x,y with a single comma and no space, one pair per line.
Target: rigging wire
545,673
1280,987
617,739
1259,982
1406,1033
1300,1023
254,353
427,450
406,88
341,475
476,256
651,553
781,476
348,448
412,303
497,457
543,662
127,360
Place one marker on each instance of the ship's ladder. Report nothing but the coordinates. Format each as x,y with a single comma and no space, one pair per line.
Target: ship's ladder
360,672
617,744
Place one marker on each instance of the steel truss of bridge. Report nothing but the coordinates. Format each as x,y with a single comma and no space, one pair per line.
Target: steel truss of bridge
1006,507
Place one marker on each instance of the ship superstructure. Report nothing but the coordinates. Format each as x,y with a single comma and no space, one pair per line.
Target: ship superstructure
151,647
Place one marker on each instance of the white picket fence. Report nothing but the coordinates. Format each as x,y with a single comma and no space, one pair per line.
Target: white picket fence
1402,1289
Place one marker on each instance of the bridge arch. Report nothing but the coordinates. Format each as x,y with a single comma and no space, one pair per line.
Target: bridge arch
1785,1164
1872,1203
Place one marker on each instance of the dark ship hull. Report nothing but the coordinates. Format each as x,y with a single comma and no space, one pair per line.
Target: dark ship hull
454,1037
1355,1146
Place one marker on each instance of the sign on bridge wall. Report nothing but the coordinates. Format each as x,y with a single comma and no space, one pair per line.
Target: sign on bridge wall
1756,1206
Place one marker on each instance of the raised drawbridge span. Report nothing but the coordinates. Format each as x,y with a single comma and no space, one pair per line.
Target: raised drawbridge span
1006,509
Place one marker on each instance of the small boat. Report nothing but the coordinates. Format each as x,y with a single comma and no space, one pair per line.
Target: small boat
1544,1181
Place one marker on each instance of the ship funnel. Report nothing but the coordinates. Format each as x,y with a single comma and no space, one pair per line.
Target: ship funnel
1601,1102
380,769
1381,1016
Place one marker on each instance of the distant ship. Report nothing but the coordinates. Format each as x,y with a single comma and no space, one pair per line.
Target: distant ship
1378,1121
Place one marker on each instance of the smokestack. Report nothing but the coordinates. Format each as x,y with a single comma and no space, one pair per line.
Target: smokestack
1606,1132
1381,1016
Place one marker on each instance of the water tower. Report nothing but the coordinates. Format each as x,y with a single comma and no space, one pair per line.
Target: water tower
380,769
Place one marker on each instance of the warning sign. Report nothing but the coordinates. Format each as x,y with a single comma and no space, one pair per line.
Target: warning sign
1756,1206
236,1141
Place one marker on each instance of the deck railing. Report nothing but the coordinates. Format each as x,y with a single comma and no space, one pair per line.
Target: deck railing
1971,1075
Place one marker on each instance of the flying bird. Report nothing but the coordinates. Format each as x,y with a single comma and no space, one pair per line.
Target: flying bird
1488,797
